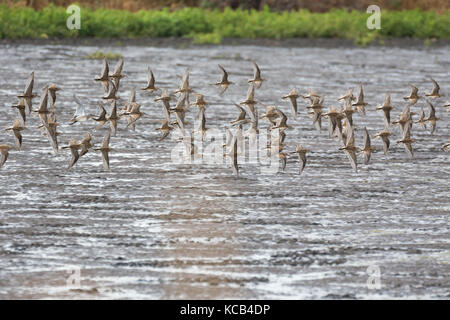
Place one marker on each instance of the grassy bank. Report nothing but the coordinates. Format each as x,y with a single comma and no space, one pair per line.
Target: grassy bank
210,26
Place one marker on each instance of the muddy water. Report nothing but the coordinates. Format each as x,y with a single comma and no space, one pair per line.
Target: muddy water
154,229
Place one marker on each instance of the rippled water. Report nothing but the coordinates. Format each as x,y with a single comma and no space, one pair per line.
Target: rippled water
153,229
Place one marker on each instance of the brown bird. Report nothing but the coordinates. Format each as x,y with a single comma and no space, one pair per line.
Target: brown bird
241,119
422,121
386,108
86,144
407,141
105,149
435,92
257,80
348,96
351,149
293,96
414,96
43,111
384,136
250,102
271,115
301,151
360,104
21,109
150,87
367,150
224,82
165,129
432,117
113,118
4,151
165,98
101,118
117,74
112,90
104,77
74,146
16,128
28,94
52,88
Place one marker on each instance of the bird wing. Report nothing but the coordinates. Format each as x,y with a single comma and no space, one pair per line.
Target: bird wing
105,156
105,69
224,74
29,88
106,139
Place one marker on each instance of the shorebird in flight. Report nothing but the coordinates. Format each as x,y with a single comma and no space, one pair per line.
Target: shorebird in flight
21,109
104,76
165,129
386,108
271,115
293,96
224,82
422,121
52,88
4,151
360,104
435,92
74,146
407,141
86,144
16,128
43,111
165,98
105,149
80,114
112,90
351,149
368,149
384,136
414,96
150,87
28,94
101,118
432,117
113,118
117,74
348,96
250,102
301,151
257,80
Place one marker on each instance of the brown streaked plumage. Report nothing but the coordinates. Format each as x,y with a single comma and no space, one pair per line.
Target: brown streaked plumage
74,146
367,149
386,108
360,104
351,149
150,87
422,121
105,149
407,141
104,76
435,92
293,96
52,88
414,95
301,151
21,109
113,118
86,144
4,151
384,136
432,117
257,79
224,82
165,129
28,94
16,128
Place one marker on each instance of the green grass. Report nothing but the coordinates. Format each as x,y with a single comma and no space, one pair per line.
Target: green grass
210,26
100,55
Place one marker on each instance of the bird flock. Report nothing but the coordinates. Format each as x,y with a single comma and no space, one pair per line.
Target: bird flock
341,118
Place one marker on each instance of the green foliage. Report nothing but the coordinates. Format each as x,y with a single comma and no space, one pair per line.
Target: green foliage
210,26
101,55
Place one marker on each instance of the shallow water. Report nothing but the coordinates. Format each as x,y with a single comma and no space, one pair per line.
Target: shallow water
154,229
